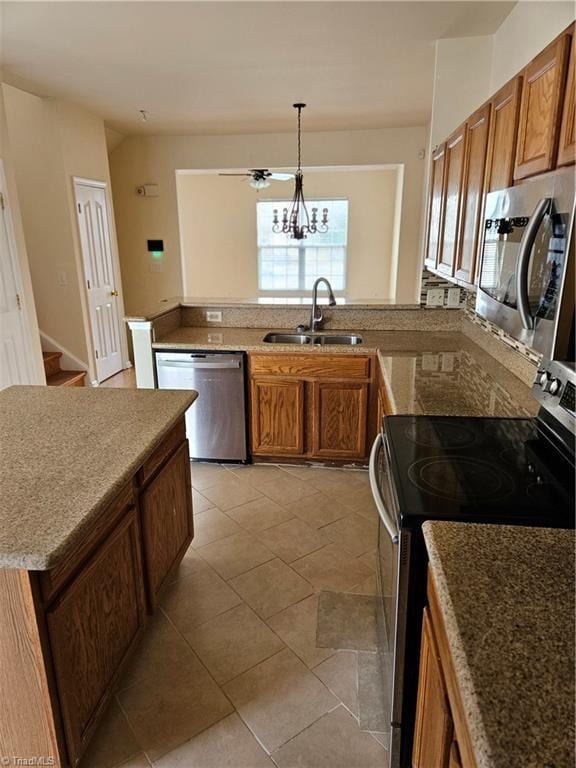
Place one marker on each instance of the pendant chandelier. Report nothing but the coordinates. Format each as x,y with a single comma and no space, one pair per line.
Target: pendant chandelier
296,222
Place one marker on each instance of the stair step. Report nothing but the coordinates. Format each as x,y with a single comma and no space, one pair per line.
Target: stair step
51,362
66,379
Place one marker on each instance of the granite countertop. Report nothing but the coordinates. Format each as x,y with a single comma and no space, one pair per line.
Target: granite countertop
64,454
426,372
506,594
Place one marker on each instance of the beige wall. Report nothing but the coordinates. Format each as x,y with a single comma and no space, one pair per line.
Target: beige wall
28,304
461,82
139,160
523,34
52,142
470,70
218,230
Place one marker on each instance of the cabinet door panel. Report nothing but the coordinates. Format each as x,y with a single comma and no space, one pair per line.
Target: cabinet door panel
540,111
473,188
277,416
166,520
455,149
435,206
339,420
434,727
567,146
503,134
92,627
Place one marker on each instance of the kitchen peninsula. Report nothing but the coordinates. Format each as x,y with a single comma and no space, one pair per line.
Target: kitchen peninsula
95,514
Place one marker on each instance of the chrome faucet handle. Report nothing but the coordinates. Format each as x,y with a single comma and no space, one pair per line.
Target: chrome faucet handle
301,328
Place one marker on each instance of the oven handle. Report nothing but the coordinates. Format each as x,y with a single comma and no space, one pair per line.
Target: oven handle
526,245
377,494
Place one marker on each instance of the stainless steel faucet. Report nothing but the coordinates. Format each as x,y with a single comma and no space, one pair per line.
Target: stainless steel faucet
316,316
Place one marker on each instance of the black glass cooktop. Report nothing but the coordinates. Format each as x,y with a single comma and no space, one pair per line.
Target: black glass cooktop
491,470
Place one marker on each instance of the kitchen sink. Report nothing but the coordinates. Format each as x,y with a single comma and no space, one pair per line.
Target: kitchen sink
322,338
344,338
287,338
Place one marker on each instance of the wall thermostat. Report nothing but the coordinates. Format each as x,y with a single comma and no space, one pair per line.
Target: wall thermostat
147,190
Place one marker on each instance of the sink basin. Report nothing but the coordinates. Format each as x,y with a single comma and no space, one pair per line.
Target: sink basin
344,338
302,338
287,338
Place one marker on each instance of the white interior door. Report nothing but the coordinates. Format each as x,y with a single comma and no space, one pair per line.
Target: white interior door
96,242
15,351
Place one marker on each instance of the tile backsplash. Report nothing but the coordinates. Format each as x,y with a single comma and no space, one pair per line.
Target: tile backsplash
529,354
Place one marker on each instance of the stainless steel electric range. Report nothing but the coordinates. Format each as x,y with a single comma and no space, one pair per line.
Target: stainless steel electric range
508,471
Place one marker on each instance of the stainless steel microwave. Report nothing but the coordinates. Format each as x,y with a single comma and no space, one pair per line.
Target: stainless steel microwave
526,280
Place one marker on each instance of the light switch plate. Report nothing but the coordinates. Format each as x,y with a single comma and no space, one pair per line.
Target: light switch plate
435,297
213,317
453,297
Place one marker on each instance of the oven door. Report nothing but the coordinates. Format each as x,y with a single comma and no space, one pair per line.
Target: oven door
393,572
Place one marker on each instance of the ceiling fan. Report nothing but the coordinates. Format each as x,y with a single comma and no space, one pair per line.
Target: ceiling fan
260,178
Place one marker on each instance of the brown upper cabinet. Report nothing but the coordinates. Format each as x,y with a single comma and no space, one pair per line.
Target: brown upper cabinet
472,192
567,145
435,205
541,110
453,177
503,132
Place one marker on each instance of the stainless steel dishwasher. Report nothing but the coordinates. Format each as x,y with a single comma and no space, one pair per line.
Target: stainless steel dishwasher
216,423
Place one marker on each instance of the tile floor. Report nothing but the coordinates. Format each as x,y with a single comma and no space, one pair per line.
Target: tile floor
230,672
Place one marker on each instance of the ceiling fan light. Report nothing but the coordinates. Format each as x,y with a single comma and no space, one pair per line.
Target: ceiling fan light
259,183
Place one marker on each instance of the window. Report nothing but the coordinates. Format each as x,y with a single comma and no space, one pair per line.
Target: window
291,266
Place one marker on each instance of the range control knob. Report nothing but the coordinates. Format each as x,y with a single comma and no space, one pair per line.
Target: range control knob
555,387
543,380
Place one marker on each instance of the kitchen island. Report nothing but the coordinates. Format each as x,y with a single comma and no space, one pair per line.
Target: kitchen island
501,608
95,514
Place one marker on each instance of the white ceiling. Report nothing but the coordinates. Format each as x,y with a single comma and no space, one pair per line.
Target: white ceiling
233,67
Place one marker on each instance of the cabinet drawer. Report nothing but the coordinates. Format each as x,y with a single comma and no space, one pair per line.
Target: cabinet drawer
92,627
168,445
312,366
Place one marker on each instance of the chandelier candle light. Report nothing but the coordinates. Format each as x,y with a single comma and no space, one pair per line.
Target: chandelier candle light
297,223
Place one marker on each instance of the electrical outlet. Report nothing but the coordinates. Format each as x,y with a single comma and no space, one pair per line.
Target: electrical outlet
430,362
453,297
213,316
215,338
62,277
435,297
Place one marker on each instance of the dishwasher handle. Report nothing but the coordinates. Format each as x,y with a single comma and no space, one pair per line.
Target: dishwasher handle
189,364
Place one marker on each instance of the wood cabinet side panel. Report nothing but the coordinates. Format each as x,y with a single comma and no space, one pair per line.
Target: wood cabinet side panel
27,716
434,727
456,705
435,206
167,527
567,143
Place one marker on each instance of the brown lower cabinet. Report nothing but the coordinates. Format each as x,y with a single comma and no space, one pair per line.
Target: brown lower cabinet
313,406
441,738
66,634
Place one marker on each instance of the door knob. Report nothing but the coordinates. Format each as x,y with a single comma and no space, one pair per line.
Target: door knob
113,293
